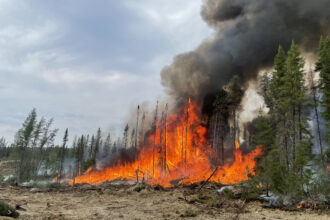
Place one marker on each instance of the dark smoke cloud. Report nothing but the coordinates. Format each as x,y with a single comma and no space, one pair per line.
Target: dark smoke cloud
246,39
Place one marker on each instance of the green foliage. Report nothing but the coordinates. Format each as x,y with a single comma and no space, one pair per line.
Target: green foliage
158,187
249,190
89,163
139,187
264,133
29,144
11,179
275,84
189,213
4,148
7,210
62,153
235,92
323,65
229,193
284,133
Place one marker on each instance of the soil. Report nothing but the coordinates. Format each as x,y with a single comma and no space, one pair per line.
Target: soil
125,202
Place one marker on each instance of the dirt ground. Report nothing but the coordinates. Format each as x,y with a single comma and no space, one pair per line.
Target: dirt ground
123,202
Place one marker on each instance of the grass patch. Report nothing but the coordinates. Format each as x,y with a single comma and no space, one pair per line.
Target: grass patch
209,201
213,203
139,188
229,193
7,210
189,213
158,187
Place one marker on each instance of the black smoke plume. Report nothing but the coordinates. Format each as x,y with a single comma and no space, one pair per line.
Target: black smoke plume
246,39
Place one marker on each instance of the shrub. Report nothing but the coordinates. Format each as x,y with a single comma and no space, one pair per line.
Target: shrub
7,210
189,213
139,187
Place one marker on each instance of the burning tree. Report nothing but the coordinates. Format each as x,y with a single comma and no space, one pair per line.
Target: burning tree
176,150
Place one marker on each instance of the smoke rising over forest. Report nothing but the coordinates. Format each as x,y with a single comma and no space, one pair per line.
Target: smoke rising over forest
246,39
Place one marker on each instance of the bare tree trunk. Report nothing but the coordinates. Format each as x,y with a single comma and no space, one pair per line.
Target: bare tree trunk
234,136
294,133
182,145
153,150
165,124
187,125
313,88
215,129
222,149
286,147
300,123
318,124
137,125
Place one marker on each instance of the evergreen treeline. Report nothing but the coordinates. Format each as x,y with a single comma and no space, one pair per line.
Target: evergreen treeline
293,96
35,154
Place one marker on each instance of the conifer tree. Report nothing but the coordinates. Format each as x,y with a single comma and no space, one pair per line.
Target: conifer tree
107,145
264,136
21,143
220,123
323,65
80,155
91,147
125,136
315,103
293,98
285,166
235,96
62,152
277,82
98,141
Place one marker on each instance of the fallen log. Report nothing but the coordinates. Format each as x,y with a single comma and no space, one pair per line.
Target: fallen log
208,179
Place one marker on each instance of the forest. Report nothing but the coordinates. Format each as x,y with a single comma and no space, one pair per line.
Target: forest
294,135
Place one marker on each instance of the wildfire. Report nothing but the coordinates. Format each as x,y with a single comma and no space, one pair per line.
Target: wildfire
309,203
176,151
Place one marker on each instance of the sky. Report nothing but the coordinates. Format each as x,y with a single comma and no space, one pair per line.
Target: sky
86,63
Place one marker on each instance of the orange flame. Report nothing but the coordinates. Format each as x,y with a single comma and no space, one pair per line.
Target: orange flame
236,142
177,151
306,204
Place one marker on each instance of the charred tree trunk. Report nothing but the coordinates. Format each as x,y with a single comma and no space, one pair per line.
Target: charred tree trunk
234,132
137,126
154,147
222,148
186,146
165,138
182,139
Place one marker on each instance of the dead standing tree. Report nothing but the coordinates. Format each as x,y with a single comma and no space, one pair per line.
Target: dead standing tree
314,92
165,138
235,94
220,124
136,129
154,147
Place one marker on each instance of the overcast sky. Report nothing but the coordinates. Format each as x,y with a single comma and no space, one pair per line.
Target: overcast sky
85,63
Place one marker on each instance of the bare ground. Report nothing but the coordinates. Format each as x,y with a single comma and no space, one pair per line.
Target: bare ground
122,202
